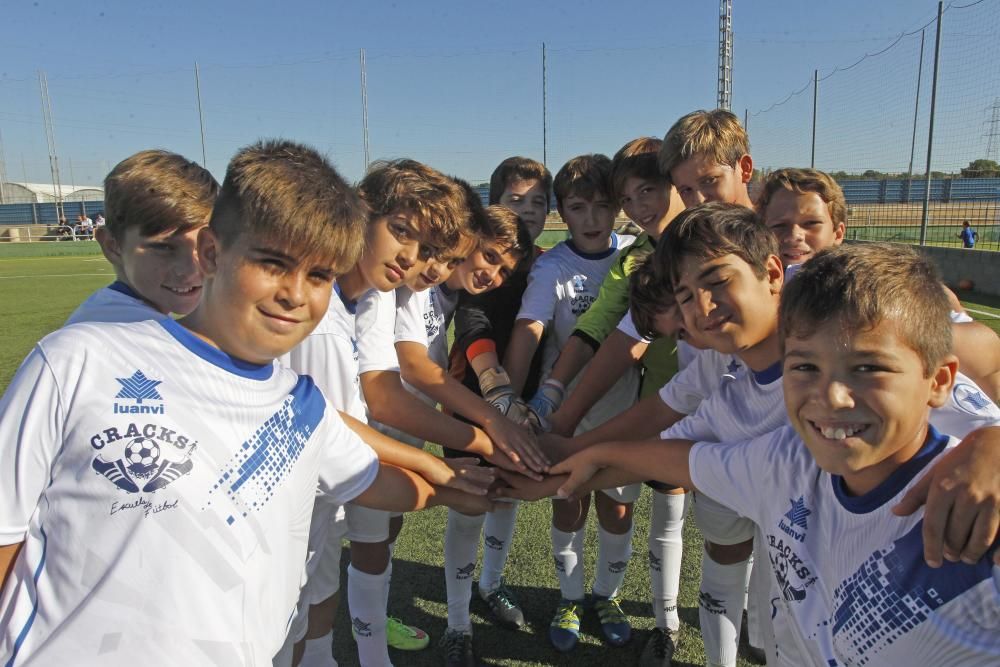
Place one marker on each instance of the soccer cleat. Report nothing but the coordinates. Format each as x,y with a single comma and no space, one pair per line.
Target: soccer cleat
614,623
458,651
405,637
504,606
564,631
659,649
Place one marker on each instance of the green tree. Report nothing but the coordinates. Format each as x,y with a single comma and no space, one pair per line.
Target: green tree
982,169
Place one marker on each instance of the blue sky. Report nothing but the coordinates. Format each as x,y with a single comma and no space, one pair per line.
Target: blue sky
458,84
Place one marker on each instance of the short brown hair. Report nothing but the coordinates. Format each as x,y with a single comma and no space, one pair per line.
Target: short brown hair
158,191
584,176
637,158
439,203
505,229
861,285
712,230
288,193
648,296
802,181
518,169
717,133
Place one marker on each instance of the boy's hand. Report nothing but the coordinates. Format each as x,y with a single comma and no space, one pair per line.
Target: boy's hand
494,384
466,475
546,401
517,442
580,467
466,503
962,496
518,487
557,447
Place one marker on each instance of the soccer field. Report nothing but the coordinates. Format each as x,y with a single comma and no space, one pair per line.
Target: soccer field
38,293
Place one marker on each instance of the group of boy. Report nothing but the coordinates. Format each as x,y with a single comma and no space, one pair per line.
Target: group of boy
304,374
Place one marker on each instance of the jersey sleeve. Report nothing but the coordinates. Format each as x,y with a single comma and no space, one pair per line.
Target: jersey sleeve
410,308
349,466
698,425
375,331
539,301
627,327
735,474
691,386
31,435
606,312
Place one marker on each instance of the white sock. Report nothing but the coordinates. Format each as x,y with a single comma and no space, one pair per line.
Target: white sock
366,601
498,533
319,652
723,589
758,587
461,542
567,551
613,554
388,576
666,530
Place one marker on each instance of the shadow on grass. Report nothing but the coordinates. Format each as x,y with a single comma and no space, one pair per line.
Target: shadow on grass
418,598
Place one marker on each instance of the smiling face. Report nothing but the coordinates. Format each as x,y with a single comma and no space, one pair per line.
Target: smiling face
163,268
860,399
727,307
650,204
590,221
261,299
529,199
485,269
439,267
701,179
802,224
392,254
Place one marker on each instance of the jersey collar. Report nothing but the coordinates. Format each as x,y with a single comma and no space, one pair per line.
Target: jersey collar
214,355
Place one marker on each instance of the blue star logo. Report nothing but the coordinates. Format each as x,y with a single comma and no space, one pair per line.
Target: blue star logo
139,387
797,515
970,398
733,366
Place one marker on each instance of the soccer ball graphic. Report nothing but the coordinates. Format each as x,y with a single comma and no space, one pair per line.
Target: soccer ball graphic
142,455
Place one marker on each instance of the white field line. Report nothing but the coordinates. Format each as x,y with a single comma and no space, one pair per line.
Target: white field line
59,275
983,312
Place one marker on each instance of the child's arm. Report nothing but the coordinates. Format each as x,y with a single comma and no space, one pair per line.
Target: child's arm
661,460
646,419
462,474
8,554
399,490
978,350
524,341
420,371
962,496
390,403
616,355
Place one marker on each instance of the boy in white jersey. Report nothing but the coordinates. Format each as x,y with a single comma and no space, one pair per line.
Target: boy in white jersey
168,479
806,211
562,285
867,353
727,277
416,211
157,202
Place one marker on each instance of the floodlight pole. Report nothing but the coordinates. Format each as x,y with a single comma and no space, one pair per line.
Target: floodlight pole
812,157
930,130
201,115
725,88
545,120
364,108
50,137
916,111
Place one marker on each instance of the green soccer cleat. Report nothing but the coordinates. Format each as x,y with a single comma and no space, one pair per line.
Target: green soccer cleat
405,637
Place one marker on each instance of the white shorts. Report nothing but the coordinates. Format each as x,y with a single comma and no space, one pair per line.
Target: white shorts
368,525
624,494
322,571
719,524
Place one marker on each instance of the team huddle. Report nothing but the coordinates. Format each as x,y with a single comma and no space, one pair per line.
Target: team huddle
181,463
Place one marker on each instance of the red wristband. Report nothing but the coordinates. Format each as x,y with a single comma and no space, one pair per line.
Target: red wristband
481,346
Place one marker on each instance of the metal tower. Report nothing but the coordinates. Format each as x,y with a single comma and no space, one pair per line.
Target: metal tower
725,54
993,134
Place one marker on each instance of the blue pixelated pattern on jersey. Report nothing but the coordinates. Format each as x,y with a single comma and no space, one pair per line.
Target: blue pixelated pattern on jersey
894,591
257,469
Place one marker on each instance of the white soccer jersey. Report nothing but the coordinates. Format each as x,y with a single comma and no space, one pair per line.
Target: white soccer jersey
698,378
847,575
374,330
163,491
115,303
330,356
627,326
562,285
685,354
440,308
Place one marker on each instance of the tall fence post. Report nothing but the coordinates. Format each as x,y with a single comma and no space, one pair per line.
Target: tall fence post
930,129
916,110
812,157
